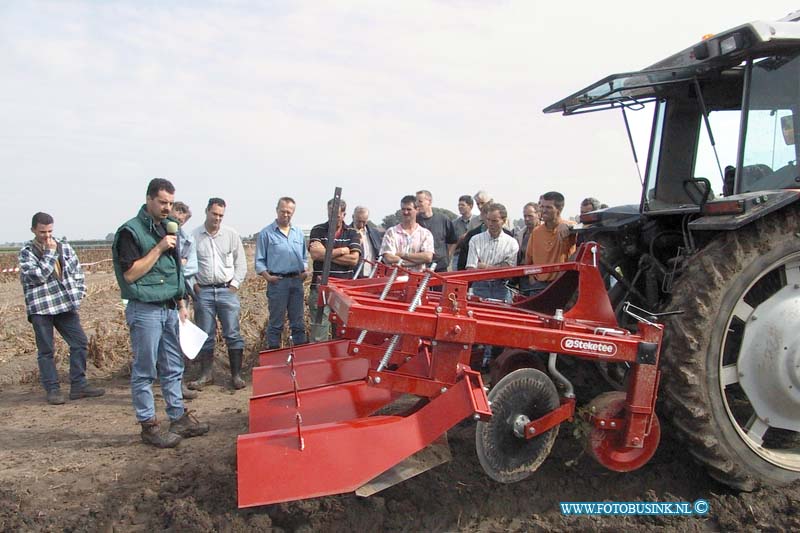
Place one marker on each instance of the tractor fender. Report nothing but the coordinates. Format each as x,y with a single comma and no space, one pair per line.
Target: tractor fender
755,205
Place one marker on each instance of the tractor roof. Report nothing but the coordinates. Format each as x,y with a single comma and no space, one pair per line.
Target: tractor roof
719,52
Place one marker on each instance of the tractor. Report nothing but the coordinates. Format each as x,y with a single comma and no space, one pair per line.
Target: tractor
715,242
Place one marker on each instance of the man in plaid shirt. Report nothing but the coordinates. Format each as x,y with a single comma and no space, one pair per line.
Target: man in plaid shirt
54,285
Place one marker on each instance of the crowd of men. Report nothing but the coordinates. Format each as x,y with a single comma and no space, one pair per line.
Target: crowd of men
162,270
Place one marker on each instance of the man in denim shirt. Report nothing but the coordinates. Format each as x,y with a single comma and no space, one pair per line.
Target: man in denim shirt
188,252
54,286
281,260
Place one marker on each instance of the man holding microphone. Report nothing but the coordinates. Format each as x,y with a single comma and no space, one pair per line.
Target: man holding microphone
148,270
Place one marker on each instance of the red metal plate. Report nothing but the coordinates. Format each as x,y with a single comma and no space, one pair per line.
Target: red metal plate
311,374
339,457
305,352
317,406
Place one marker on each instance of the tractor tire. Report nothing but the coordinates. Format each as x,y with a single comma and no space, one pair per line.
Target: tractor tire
707,360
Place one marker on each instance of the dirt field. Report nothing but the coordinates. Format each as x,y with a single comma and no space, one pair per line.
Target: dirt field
82,467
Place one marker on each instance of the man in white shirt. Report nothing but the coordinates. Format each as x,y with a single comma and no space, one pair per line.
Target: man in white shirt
221,269
492,249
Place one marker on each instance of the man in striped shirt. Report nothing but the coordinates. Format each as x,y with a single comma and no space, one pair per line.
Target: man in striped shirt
346,253
408,242
54,286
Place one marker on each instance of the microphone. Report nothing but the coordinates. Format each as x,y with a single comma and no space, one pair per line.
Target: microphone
171,227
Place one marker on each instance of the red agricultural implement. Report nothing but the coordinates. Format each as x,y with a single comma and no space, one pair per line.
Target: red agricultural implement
373,407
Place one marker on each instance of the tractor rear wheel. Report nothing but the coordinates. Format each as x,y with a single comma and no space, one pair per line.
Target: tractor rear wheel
731,363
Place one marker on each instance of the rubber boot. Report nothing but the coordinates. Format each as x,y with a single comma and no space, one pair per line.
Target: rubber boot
235,357
206,372
152,435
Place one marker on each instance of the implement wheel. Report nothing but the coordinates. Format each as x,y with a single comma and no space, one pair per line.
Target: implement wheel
504,452
606,446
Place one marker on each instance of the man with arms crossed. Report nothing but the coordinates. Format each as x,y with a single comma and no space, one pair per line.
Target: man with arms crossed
344,258
54,286
408,241
150,277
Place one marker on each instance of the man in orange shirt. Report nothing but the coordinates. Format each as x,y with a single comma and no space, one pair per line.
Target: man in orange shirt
550,242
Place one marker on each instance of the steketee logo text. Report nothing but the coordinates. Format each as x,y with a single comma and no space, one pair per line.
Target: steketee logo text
605,349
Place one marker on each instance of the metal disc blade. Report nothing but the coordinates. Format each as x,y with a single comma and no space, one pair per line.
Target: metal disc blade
505,456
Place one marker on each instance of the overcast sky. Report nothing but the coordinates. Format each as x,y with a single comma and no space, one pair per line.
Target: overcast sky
251,101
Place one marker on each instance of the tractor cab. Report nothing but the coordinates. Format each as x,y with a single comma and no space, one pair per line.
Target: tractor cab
725,122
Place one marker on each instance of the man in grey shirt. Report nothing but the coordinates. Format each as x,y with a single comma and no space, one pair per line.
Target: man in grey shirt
462,224
221,269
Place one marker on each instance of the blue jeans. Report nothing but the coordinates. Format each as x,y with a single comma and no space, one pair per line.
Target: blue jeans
536,286
524,286
69,326
495,289
284,295
156,353
212,303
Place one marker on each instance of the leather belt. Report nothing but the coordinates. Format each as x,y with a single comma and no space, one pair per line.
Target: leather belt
216,286
286,275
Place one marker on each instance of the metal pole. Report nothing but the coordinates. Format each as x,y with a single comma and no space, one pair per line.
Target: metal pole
333,219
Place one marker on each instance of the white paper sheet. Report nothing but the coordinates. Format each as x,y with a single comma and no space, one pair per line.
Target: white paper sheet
191,337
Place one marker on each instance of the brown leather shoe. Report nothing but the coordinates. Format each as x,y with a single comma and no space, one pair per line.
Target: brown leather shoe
187,393
54,397
87,391
188,426
152,435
